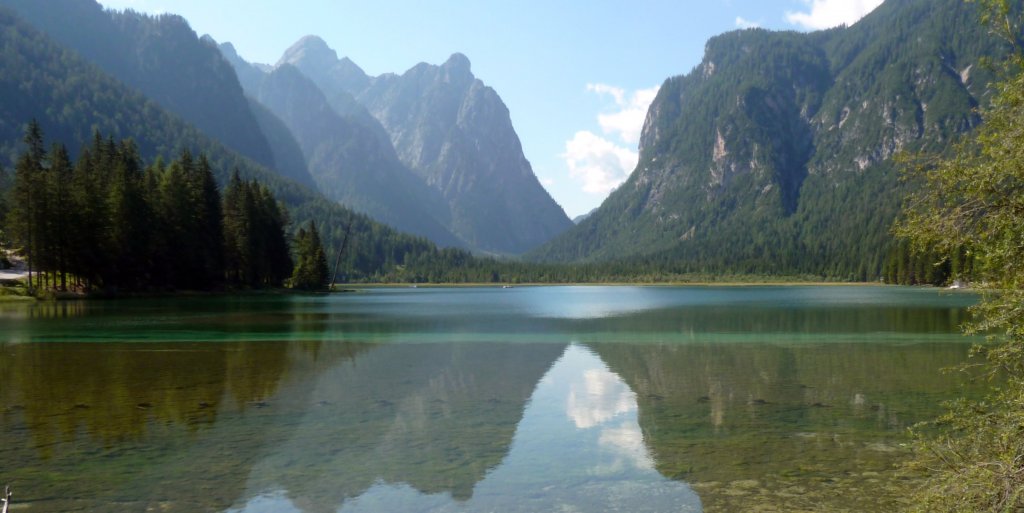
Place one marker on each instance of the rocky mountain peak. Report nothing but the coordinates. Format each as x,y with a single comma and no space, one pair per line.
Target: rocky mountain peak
312,50
457,69
346,66
458,62
314,58
226,48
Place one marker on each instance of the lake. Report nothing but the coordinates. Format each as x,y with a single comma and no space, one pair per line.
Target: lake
531,399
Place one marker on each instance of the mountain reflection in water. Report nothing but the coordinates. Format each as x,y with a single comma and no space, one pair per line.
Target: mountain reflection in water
552,462
546,399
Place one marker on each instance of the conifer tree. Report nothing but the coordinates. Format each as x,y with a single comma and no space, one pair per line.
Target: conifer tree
62,213
310,261
235,232
28,188
209,224
130,221
104,222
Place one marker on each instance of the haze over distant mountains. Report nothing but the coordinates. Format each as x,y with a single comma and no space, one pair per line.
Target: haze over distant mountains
59,70
431,151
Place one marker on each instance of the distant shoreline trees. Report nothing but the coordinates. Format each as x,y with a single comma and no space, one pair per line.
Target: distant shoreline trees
106,223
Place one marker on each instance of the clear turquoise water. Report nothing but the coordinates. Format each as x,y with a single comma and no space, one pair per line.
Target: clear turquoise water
475,399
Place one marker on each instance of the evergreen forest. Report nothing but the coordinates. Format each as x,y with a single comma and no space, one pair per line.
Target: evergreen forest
105,222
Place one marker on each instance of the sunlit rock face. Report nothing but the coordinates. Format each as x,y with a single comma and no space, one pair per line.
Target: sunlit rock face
453,131
775,154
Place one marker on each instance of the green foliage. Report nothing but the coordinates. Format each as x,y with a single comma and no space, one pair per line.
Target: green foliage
310,261
972,204
255,245
104,223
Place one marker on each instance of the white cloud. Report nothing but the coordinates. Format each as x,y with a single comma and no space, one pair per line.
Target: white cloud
744,23
597,162
830,13
617,92
546,182
600,397
602,163
627,441
627,118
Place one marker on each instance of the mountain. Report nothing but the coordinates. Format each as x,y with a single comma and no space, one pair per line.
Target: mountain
350,161
288,158
73,99
461,403
775,154
583,217
162,58
455,133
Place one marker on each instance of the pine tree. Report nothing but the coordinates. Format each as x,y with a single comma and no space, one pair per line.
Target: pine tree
209,226
310,261
256,252
28,187
236,241
276,261
130,222
106,223
62,212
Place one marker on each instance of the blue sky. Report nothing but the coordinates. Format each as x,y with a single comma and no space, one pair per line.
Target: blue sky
576,75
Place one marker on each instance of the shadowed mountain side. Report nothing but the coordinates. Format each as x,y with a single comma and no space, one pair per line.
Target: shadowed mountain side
38,76
348,162
287,154
456,134
436,417
751,426
162,58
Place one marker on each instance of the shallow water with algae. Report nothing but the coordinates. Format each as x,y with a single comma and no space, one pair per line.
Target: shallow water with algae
530,399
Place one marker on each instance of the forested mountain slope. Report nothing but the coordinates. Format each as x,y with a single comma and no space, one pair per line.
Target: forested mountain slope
775,154
71,99
161,57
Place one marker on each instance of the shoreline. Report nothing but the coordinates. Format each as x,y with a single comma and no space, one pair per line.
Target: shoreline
786,283
16,294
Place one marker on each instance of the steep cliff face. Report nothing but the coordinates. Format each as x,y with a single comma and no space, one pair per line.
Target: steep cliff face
455,133
349,163
775,153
